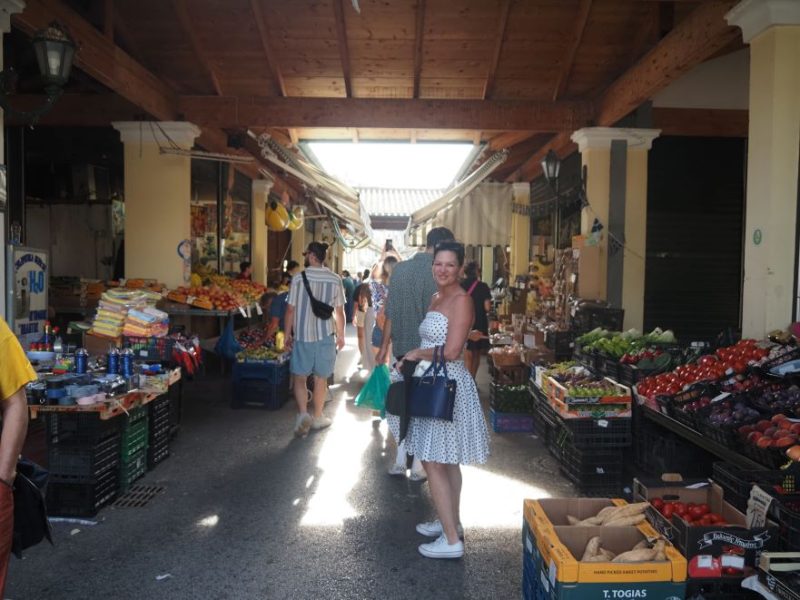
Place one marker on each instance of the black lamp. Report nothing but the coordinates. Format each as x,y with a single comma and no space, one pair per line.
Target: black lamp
54,53
551,166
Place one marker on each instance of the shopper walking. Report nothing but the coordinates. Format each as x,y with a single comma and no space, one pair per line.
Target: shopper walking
379,288
349,292
478,341
15,374
363,306
442,445
313,340
410,291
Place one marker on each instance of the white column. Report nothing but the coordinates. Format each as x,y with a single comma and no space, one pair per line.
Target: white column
772,28
594,144
157,195
7,8
258,229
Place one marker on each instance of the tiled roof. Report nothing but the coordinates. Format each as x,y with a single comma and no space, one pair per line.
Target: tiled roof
393,202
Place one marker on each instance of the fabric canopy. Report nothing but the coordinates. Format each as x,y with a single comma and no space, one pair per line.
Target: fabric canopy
481,218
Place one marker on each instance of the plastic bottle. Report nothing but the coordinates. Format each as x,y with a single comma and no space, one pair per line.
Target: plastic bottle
47,338
112,361
81,360
279,341
126,363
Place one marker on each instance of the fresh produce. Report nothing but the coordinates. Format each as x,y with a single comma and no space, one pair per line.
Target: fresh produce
692,513
782,400
580,383
627,343
732,413
778,432
642,552
614,516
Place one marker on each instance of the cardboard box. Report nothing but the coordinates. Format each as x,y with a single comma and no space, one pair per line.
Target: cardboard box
779,572
98,345
708,549
594,411
590,270
155,384
566,544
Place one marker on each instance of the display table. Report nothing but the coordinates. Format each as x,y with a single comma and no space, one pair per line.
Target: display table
114,407
698,439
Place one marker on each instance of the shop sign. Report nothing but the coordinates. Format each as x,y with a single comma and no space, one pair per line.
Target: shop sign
28,294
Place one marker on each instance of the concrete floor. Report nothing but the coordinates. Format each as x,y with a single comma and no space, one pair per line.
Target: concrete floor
249,511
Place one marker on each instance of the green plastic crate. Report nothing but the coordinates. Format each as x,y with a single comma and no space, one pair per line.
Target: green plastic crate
134,439
132,469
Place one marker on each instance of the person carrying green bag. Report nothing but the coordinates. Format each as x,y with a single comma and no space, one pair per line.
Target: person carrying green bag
373,394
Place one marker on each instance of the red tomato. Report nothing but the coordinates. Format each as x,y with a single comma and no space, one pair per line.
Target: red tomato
658,503
698,511
679,508
667,510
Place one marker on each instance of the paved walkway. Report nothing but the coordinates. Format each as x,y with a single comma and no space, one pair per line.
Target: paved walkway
250,512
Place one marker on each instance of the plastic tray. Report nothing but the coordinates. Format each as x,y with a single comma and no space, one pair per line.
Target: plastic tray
83,463
68,499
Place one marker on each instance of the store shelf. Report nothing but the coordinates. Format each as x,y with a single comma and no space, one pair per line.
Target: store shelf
176,308
699,439
106,410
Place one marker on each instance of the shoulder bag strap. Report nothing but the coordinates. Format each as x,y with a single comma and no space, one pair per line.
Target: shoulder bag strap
472,287
308,287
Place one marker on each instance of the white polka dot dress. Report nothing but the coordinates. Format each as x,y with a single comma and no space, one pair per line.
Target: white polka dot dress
465,439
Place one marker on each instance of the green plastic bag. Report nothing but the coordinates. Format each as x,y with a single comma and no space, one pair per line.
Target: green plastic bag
373,394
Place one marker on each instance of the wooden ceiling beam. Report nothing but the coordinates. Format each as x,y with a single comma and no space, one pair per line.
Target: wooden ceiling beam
186,24
701,122
344,52
509,138
108,19
584,9
100,58
419,34
560,143
502,23
263,34
698,37
389,113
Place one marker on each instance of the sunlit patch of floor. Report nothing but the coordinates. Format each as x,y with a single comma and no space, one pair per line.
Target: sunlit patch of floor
493,500
339,471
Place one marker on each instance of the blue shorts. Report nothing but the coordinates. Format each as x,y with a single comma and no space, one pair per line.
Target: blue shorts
377,337
318,358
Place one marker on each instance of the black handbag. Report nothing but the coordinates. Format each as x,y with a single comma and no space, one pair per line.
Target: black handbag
30,512
434,394
320,309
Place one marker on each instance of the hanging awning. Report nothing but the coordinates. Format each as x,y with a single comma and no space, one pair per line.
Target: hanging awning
350,219
477,213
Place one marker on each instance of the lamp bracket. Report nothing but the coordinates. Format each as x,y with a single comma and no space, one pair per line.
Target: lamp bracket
8,80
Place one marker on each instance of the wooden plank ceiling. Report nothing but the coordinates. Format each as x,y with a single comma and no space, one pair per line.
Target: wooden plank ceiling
533,70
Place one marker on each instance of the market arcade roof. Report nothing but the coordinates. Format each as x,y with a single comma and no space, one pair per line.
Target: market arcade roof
516,74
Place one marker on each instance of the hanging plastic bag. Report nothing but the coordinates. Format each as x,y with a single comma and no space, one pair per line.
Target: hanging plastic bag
227,346
373,394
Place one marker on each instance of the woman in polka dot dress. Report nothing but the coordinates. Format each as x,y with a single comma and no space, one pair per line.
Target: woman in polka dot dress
445,445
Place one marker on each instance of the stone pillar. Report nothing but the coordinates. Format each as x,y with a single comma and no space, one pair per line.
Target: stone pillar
616,163
258,229
520,231
7,8
772,28
157,193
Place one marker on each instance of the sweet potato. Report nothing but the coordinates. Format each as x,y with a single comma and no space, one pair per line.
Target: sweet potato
629,510
591,522
592,546
625,521
659,550
573,520
644,544
642,555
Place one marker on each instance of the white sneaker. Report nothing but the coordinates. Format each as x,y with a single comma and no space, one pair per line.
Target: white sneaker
440,548
415,475
302,425
397,469
321,422
434,529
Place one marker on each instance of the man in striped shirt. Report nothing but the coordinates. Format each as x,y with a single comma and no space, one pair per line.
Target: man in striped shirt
313,341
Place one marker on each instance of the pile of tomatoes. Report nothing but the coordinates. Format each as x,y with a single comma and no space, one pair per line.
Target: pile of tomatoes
693,514
711,367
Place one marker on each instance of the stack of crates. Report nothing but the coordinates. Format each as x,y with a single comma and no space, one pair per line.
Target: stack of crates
159,428
262,384
83,459
133,450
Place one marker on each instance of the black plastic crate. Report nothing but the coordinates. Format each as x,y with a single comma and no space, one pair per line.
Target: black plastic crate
609,367
583,463
79,428
510,399
724,588
630,375
134,439
591,317
736,483
151,348
270,372
598,433
175,395
83,463
70,499
258,392
513,375
157,452
596,486
562,343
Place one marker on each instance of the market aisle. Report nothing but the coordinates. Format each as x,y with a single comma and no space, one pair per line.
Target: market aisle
250,512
